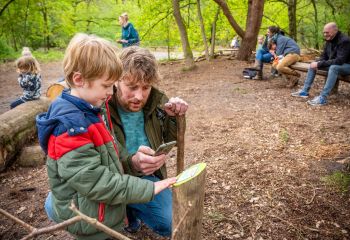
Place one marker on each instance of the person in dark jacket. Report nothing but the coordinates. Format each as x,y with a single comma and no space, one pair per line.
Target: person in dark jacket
129,34
335,58
143,118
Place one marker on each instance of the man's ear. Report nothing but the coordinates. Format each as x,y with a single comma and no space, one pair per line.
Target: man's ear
78,79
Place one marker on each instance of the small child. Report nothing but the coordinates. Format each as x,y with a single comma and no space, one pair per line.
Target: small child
260,42
276,59
29,79
83,162
26,51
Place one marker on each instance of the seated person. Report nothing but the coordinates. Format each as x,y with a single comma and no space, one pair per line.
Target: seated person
335,56
143,118
263,55
289,50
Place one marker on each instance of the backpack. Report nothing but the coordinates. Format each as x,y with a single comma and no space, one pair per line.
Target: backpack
249,73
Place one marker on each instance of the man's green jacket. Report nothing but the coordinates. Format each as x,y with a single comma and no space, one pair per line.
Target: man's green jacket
159,127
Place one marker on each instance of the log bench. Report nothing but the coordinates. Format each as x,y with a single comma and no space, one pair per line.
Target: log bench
231,51
304,66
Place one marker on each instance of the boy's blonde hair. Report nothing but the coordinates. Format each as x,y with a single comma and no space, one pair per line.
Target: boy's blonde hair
28,64
92,57
140,65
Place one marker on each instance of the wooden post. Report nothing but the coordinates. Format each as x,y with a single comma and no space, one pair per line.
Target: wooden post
188,202
181,126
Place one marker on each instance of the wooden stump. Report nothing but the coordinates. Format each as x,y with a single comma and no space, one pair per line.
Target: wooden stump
31,156
17,128
181,127
188,201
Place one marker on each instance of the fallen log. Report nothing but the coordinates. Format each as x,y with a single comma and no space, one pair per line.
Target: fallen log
31,156
17,128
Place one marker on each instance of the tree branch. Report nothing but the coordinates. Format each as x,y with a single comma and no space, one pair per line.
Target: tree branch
5,6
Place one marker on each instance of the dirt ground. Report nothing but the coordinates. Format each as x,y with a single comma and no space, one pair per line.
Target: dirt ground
267,155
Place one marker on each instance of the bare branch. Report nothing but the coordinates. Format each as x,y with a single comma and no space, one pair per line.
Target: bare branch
17,220
5,6
97,224
53,228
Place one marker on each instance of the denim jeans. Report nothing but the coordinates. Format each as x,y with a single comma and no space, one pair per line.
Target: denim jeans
48,206
17,102
333,73
264,56
156,214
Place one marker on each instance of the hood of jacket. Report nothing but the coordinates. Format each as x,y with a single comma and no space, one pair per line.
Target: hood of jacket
72,118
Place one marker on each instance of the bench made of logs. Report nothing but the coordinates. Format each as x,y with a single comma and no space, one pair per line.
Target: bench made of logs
303,67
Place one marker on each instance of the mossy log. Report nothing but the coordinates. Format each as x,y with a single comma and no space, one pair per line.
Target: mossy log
17,128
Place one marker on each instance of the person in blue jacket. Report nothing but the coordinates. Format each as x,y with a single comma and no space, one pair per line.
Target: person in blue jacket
130,35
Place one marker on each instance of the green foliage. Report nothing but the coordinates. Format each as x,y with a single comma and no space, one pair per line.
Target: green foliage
284,136
51,24
48,56
338,180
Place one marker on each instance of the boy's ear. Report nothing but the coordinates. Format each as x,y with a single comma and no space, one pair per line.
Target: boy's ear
78,79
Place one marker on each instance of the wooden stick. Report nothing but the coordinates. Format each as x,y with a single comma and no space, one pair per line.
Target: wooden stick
53,228
17,220
97,224
181,126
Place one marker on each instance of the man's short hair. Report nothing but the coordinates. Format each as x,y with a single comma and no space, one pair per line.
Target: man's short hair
92,57
140,65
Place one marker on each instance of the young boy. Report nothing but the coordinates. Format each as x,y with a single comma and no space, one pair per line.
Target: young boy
83,160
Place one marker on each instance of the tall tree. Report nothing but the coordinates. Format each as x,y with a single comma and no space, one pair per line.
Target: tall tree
186,48
204,37
253,23
292,17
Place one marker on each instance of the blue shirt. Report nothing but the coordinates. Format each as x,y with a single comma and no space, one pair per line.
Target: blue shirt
134,129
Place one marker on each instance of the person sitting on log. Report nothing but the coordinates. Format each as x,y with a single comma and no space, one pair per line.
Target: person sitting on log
143,118
29,79
335,58
262,54
83,162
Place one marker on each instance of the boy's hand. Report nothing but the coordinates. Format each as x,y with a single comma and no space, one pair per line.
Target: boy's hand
144,161
161,185
175,106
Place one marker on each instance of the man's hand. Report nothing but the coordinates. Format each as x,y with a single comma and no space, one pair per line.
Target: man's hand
176,106
313,65
161,185
144,161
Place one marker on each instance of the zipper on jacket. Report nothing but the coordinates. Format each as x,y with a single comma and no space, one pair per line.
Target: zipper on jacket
101,212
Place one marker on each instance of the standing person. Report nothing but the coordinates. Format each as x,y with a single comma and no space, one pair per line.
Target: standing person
263,55
144,118
129,34
83,162
335,58
288,53
29,79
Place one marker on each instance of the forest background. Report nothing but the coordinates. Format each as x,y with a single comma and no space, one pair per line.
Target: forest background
47,26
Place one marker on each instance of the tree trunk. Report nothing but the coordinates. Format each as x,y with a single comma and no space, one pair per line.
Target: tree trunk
231,20
188,203
213,33
253,23
183,33
292,10
316,24
202,30
31,156
17,127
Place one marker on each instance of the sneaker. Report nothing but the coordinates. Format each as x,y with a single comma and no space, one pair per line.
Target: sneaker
133,227
300,93
318,101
